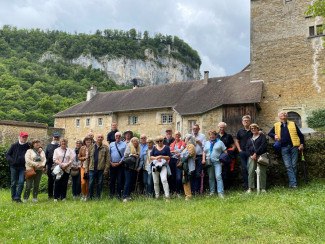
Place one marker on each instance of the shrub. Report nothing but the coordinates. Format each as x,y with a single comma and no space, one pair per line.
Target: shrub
317,119
4,168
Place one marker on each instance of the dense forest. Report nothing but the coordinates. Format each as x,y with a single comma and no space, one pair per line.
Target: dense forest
34,91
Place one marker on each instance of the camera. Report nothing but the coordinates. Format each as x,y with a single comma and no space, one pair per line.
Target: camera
156,168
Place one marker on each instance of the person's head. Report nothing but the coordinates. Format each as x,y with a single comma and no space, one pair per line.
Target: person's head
143,139
56,136
118,137
87,141
128,135
90,135
114,126
177,135
283,116
159,141
99,139
246,120
35,144
222,127
23,137
78,143
254,128
212,135
150,142
169,133
63,143
134,144
135,141
196,129
190,139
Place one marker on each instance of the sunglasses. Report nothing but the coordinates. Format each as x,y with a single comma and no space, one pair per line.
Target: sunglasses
159,141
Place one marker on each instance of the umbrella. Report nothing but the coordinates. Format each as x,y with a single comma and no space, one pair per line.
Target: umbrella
304,166
258,171
202,178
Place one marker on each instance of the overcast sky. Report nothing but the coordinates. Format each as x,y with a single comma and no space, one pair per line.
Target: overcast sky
217,29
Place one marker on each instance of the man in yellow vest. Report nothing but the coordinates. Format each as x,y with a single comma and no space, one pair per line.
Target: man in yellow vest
291,140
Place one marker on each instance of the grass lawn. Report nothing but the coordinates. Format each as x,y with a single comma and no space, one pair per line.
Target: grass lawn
280,216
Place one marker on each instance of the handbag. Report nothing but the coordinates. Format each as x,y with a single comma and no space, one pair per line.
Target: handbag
74,172
179,164
29,173
208,163
264,159
129,162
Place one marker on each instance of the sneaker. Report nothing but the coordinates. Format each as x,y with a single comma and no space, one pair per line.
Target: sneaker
55,200
187,198
178,195
63,200
221,196
263,191
293,187
25,200
211,194
18,201
35,200
249,191
125,200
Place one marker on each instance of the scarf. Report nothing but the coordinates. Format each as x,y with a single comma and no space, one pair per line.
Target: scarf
172,146
212,144
38,156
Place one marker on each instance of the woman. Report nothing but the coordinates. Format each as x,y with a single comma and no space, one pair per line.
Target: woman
212,150
132,150
160,153
188,157
176,178
83,155
145,164
63,157
75,171
35,159
255,147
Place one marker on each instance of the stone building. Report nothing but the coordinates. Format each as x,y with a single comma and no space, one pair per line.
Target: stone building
287,54
152,109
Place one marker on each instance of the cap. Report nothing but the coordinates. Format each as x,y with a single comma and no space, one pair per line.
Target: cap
56,134
23,134
169,129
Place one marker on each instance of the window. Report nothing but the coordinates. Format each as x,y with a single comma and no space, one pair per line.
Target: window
287,1
133,120
191,123
77,122
319,29
311,30
295,117
166,118
87,122
100,121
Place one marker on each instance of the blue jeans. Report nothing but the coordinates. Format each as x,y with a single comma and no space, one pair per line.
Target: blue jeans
17,178
76,185
128,173
175,180
244,167
215,176
148,183
290,158
92,176
196,179
115,174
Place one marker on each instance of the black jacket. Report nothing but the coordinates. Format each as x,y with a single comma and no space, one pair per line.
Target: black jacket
16,154
260,146
49,151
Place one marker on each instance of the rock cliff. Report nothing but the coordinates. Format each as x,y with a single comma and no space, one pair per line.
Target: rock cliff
151,71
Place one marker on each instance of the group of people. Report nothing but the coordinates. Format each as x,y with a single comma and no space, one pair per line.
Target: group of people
175,162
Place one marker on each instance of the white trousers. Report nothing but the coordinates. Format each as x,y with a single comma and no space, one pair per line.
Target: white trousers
163,177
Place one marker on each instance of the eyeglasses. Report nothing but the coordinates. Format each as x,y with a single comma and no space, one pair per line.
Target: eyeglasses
159,141
143,138
117,136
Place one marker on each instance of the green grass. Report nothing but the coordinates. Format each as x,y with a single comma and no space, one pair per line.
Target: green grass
281,216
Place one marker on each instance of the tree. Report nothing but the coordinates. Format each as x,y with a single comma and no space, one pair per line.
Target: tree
317,8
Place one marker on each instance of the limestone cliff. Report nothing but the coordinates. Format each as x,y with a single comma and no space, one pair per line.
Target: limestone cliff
151,71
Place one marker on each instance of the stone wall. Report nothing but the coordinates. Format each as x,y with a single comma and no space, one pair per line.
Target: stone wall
10,131
287,59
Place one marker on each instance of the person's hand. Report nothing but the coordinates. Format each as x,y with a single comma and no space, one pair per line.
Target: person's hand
44,170
203,161
178,154
105,172
39,166
197,140
221,164
277,138
40,150
86,172
113,164
301,147
138,170
135,155
75,167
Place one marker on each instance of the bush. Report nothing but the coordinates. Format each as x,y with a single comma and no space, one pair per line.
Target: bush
43,184
317,119
4,168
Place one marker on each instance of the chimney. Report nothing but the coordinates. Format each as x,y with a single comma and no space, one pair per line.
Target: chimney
91,92
206,77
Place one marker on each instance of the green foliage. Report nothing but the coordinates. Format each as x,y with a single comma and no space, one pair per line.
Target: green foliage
4,168
317,8
317,119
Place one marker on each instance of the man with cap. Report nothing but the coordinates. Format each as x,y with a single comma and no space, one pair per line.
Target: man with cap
16,158
128,134
169,139
49,151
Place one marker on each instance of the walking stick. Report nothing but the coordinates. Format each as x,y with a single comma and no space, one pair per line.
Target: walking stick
136,184
304,166
258,171
202,179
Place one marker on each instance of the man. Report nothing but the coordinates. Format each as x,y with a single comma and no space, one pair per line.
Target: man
169,139
117,149
49,151
91,136
292,140
128,134
243,135
97,164
16,158
228,140
200,141
111,134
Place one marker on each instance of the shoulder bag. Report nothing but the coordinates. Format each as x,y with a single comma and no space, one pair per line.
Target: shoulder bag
263,159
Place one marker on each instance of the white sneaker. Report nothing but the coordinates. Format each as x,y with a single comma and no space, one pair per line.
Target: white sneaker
35,200
221,196
263,191
25,200
249,191
55,200
125,200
